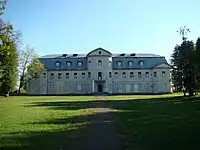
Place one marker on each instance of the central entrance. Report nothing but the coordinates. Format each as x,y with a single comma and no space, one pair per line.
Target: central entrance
100,88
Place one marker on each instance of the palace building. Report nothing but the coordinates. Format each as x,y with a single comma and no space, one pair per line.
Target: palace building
100,71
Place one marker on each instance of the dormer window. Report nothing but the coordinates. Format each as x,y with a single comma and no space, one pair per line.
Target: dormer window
64,55
130,63
69,63
141,63
122,54
58,64
119,63
75,55
133,54
79,63
99,52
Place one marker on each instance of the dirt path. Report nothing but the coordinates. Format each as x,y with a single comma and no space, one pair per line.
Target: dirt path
101,133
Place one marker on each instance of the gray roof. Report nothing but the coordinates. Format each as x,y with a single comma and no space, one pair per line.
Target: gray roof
113,55
61,56
150,60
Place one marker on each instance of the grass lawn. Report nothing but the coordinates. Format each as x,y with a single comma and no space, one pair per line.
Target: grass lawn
23,126
160,122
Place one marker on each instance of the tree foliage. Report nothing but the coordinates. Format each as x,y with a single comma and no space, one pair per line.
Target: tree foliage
8,54
29,66
186,64
8,64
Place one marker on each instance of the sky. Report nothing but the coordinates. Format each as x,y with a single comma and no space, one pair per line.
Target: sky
79,26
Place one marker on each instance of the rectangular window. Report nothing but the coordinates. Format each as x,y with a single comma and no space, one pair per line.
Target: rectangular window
147,74
78,87
99,63
163,73
83,74
51,86
75,75
59,75
155,74
36,75
139,74
124,74
89,74
116,74
131,74
52,75
110,75
99,75
165,85
67,75
44,75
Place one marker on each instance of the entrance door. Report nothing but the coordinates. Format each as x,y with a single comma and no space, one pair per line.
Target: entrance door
100,88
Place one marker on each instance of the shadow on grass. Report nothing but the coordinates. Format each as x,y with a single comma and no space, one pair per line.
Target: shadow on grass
153,123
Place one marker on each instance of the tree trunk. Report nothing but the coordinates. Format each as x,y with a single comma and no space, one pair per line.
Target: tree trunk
19,90
191,92
184,91
7,94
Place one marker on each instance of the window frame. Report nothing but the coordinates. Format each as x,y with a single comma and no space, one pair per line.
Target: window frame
147,74
139,74
69,63
163,73
75,75
116,74
110,74
131,74
141,63
154,74
67,75
119,66
129,63
100,63
81,64
59,75
124,74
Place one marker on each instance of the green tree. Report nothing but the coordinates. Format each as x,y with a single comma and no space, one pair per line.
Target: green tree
8,64
177,73
184,64
197,60
29,66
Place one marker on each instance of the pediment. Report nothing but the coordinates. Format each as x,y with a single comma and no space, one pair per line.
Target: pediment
99,52
163,65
